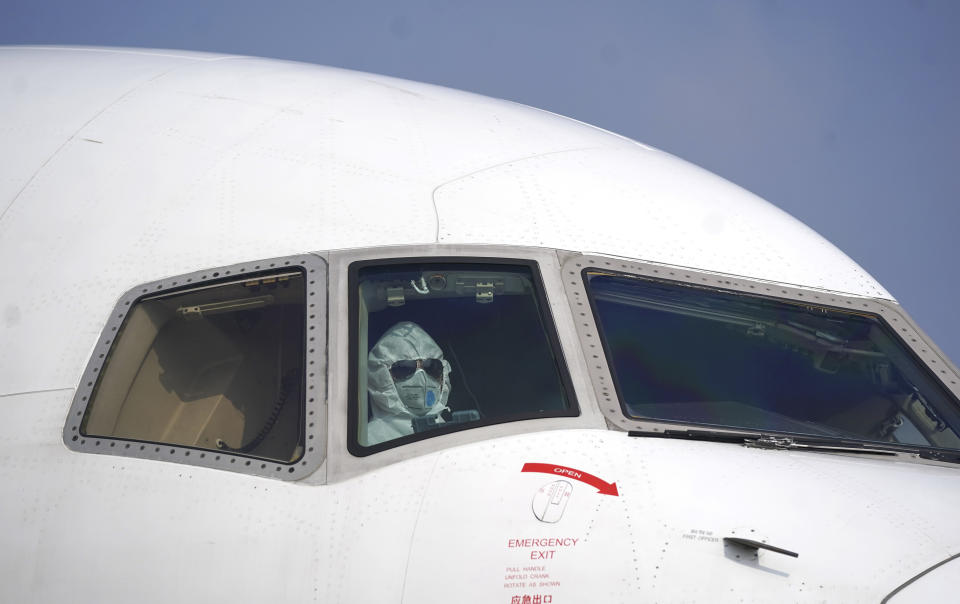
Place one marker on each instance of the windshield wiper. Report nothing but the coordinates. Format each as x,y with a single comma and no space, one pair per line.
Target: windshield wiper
799,443
765,441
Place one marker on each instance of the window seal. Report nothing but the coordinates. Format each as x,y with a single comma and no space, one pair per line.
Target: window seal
313,377
358,450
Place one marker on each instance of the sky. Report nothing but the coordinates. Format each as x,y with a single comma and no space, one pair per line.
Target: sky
844,114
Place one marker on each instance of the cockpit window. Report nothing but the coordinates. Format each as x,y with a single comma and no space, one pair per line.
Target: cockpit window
213,368
692,355
439,347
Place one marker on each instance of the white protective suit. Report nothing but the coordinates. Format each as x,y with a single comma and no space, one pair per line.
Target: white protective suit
395,404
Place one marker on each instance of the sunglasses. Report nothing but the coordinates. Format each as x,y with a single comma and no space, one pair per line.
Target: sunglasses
404,370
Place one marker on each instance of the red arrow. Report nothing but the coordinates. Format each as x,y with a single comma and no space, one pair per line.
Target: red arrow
604,488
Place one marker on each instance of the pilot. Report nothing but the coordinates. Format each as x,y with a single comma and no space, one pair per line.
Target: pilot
408,381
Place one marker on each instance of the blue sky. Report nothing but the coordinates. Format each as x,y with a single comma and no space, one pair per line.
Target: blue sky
844,114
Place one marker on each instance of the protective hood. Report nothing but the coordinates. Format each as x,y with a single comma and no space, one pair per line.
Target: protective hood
403,341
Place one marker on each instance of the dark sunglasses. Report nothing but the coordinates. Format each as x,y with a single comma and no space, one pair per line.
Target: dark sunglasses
403,370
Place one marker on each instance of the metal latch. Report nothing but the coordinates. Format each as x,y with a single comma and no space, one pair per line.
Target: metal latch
484,292
395,296
198,311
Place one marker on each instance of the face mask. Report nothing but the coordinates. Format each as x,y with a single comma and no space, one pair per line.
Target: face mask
419,392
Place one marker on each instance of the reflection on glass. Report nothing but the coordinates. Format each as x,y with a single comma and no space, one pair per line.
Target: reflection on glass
699,356
446,346
216,367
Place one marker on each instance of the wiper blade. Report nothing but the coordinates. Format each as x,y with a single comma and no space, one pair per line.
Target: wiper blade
707,435
795,443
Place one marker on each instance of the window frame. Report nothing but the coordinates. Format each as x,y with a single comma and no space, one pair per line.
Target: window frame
353,269
313,376
900,325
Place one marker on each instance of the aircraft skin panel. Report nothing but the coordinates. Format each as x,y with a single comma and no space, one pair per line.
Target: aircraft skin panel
192,533
440,525
218,156
52,95
929,585
249,158
640,204
126,167
662,537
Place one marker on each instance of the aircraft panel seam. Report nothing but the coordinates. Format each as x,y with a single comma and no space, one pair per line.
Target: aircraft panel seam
93,118
27,392
413,534
433,194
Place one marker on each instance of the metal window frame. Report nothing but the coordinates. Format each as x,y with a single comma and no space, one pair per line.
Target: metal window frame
340,463
553,341
575,266
313,396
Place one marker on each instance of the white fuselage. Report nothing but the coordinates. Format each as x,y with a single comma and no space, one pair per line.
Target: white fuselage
123,167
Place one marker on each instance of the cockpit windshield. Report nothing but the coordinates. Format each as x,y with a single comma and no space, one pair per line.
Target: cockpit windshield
440,347
693,355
